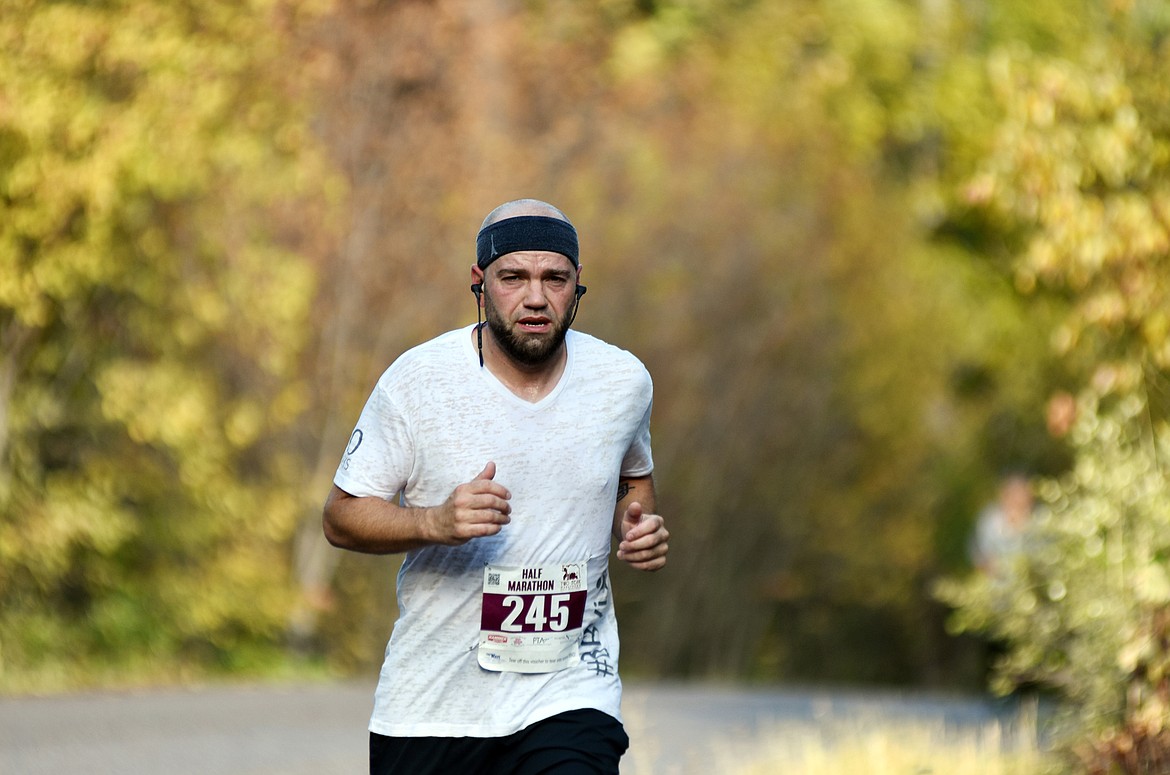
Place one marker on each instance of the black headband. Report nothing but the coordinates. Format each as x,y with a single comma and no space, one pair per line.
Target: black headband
525,232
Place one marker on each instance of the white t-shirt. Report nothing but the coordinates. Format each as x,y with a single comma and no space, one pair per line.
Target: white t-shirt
433,422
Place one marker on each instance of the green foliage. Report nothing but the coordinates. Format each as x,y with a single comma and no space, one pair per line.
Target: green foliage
1078,172
1084,609
150,320
1078,165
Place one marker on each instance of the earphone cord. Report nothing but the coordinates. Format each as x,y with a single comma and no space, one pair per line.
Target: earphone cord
479,335
577,305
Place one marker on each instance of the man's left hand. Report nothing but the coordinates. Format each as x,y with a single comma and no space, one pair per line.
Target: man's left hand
644,539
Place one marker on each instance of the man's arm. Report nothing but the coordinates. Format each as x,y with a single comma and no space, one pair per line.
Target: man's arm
377,526
642,534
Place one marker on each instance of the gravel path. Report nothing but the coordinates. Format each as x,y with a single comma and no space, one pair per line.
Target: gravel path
310,729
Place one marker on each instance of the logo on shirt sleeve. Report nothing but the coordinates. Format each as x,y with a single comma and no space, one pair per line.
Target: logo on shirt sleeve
355,441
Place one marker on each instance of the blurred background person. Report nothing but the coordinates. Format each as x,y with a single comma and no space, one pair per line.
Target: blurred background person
1001,526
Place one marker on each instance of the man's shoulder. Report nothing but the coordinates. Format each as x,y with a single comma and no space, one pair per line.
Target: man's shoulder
604,360
435,355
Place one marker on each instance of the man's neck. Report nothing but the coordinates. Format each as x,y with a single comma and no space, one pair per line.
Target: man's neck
531,382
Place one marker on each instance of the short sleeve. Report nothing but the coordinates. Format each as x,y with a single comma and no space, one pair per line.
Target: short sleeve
638,460
379,455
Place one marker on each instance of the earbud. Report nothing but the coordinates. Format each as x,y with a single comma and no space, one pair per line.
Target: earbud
581,291
476,288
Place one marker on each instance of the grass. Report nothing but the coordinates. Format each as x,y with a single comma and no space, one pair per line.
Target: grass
878,744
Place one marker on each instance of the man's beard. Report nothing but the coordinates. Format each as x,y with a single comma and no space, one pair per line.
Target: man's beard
525,349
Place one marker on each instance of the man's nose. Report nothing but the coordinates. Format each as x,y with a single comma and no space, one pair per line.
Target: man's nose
534,296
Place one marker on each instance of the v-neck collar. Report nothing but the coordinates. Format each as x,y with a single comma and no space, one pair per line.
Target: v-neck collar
499,387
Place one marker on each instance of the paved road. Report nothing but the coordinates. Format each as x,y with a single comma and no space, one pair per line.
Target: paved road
320,729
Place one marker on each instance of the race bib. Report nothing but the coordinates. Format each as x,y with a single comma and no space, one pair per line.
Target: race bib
531,620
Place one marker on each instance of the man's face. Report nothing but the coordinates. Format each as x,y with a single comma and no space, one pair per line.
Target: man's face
528,301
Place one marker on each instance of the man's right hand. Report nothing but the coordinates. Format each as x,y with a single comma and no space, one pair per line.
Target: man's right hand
475,509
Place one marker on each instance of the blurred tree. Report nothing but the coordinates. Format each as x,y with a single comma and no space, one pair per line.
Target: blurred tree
1078,172
155,171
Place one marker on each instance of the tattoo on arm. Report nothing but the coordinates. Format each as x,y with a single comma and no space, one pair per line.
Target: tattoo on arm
623,490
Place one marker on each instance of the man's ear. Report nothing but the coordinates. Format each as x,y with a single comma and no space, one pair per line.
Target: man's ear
477,283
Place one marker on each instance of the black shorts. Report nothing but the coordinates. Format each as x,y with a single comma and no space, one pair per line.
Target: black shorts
579,742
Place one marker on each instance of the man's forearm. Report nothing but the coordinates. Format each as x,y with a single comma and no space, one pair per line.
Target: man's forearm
631,489
372,525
